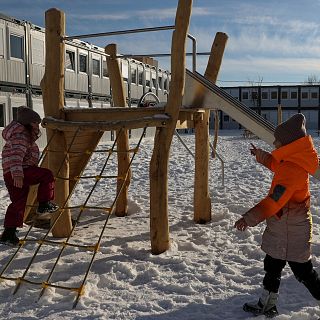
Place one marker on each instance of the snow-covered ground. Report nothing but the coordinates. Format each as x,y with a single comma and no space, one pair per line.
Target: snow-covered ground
209,272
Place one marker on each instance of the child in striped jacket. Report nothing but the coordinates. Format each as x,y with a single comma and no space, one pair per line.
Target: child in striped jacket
20,156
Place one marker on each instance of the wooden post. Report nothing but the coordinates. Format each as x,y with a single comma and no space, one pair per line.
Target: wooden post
119,100
202,200
52,86
159,226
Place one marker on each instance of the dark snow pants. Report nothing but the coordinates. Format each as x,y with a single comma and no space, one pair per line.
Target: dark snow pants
304,273
18,196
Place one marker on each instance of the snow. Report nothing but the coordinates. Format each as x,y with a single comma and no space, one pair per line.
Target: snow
210,271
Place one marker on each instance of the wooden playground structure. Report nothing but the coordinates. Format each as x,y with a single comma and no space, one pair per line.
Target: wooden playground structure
75,133
73,136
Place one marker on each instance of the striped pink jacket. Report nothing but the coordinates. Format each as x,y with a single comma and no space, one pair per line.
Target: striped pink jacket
19,150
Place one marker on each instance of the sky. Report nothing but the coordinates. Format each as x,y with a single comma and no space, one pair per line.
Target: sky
269,41
208,273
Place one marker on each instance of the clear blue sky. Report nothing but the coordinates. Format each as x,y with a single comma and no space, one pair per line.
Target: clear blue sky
268,40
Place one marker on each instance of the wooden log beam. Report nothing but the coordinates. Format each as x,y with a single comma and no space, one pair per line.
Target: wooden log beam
116,114
119,100
52,86
106,125
159,226
202,200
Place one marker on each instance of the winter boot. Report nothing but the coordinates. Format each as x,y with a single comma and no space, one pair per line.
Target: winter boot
266,305
46,209
9,236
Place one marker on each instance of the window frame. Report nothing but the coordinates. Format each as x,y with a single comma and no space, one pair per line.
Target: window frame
274,95
125,70
85,55
20,36
72,54
3,112
293,93
160,81
99,64
140,73
312,95
134,73
245,95
286,95
105,70
2,43
147,77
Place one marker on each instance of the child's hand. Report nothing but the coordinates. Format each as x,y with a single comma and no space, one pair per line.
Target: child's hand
241,224
18,182
253,149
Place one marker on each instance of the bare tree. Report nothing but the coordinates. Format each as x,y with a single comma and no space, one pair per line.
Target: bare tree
256,92
312,79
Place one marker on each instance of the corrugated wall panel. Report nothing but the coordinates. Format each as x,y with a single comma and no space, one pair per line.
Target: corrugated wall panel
36,74
106,86
3,70
16,72
83,83
70,81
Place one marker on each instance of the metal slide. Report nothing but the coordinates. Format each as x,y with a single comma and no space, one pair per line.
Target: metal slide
202,93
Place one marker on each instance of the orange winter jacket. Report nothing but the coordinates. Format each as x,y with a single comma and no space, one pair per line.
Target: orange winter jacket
286,207
291,165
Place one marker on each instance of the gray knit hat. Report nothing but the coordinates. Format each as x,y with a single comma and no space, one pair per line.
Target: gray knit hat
26,115
291,130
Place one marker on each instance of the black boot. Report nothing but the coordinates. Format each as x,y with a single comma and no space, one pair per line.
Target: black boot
9,236
266,305
46,209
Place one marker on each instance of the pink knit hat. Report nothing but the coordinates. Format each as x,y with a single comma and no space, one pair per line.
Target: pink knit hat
292,129
26,115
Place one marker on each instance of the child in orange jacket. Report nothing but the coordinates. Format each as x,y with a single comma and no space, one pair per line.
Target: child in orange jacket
286,210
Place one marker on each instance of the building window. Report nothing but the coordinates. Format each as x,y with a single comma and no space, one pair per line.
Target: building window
226,118
14,113
2,116
294,95
16,47
154,82
245,95
274,95
140,76
96,67
83,64
125,71
314,95
160,82
264,95
304,95
254,95
166,84
284,94
133,75
105,72
148,78
70,65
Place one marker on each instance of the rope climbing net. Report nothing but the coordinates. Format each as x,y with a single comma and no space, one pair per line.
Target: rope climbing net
28,276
